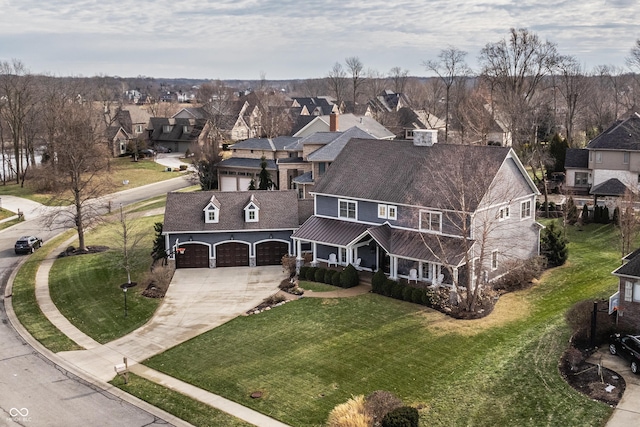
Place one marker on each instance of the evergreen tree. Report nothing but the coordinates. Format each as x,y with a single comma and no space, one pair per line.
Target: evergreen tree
571,211
558,150
585,214
252,184
159,251
264,182
553,246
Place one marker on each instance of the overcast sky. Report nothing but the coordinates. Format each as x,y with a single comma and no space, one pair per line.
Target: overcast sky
286,39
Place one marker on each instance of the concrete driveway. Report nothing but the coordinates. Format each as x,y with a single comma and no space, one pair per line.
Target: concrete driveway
197,300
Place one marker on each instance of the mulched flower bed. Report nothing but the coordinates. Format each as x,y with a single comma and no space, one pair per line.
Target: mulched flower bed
586,378
71,251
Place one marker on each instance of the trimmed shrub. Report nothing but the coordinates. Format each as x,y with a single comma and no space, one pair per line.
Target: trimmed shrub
380,403
335,279
388,287
311,274
303,272
349,277
428,297
405,416
377,281
416,295
396,291
407,293
328,275
319,275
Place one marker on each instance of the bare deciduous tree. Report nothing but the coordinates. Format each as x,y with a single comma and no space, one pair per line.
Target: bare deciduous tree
516,68
399,79
450,68
573,88
81,158
337,80
356,69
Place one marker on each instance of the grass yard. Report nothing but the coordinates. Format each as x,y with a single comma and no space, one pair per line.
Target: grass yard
308,356
192,411
317,287
26,307
86,288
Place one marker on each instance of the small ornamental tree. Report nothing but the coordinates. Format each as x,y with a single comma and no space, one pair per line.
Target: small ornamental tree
553,246
264,179
585,214
571,211
159,251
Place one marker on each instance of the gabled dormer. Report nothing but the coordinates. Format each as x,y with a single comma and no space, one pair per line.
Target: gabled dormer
212,211
252,210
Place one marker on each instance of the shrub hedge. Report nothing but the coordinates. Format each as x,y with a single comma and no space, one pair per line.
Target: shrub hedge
404,416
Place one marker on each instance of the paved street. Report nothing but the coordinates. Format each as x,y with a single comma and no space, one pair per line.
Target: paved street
35,392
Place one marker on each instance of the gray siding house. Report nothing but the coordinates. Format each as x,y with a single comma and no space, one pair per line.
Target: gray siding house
428,212
209,229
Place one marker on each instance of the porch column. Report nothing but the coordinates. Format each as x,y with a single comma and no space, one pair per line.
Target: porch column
314,248
393,273
420,270
455,275
298,249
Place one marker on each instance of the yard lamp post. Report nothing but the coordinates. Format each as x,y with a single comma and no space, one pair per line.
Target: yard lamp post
124,290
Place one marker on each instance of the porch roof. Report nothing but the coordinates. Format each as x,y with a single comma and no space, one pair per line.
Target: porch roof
401,243
330,231
417,245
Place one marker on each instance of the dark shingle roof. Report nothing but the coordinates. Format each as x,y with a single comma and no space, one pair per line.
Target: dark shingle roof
622,135
330,151
194,128
241,162
611,187
184,211
399,172
631,268
576,158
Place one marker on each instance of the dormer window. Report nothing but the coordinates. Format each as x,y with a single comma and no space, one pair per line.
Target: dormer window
252,210
167,128
212,211
185,129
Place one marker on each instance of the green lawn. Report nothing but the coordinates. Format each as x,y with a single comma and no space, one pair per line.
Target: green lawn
26,307
86,288
317,287
192,411
310,355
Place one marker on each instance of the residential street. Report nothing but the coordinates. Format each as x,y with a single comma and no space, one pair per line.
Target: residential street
35,392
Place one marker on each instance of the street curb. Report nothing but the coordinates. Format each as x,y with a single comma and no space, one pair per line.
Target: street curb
68,367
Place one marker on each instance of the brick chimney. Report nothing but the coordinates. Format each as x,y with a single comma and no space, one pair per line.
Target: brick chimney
333,122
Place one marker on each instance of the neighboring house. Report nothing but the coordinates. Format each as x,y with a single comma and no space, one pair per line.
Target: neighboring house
615,154
211,229
314,106
335,122
178,134
236,172
577,174
405,205
627,300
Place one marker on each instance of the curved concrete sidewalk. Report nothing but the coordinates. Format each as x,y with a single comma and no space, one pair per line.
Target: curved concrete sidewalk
197,301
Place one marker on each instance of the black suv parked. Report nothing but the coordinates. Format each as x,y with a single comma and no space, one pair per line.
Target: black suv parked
27,244
628,347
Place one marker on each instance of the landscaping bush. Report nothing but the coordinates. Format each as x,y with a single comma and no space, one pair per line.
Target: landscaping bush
387,291
405,416
520,274
554,246
407,293
396,290
328,275
377,281
289,264
319,275
311,274
349,414
571,211
416,295
585,214
335,279
286,284
183,167
349,277
380,403
303,272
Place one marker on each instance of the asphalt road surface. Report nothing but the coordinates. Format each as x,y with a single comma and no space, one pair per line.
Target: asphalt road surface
34,391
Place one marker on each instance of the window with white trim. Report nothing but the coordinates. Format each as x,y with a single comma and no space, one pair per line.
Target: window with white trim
167,128
598,157
211,215
387,212
347,209
636,292
504,213
625,158
525,209
139,129
431,221
343,256
631,291
494,259
251,214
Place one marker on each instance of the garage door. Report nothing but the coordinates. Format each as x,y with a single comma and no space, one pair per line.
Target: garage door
271,253
194,256
232,255
228,183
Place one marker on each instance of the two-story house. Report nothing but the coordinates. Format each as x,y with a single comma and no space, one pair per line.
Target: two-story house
437,209
627,300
